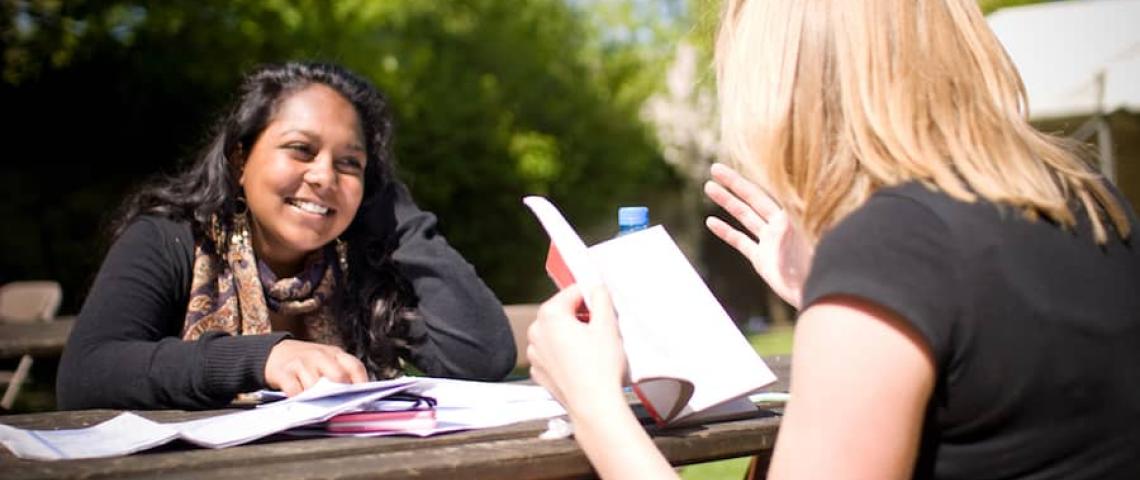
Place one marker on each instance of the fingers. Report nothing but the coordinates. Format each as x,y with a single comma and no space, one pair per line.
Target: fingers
602,315
565,302
739,210
338,366
733,237
290,385
294,366
354,368
749,192
307,376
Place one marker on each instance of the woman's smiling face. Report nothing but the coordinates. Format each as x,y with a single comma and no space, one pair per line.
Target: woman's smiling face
304,177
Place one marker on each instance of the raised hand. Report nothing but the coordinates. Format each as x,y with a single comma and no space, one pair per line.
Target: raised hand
778,252
295,365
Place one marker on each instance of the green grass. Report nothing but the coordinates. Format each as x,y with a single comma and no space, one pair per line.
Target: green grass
776,341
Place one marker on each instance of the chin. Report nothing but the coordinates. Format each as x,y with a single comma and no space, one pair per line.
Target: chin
308,241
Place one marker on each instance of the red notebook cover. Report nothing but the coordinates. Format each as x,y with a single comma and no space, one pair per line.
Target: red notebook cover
560,274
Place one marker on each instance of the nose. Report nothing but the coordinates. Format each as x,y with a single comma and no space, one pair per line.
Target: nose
320,174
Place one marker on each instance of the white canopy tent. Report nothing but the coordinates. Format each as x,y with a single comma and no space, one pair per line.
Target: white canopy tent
1077,57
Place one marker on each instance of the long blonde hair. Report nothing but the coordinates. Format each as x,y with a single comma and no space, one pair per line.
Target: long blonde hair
826,101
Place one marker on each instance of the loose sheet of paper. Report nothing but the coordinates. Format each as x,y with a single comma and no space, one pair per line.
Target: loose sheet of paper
129,433
124,434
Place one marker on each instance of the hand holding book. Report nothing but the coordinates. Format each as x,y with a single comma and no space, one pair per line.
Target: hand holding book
577,362
686,360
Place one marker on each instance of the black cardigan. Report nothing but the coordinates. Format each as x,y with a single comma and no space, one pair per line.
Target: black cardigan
126,349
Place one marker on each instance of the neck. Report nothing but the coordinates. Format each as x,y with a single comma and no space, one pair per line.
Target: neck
282,269
283,262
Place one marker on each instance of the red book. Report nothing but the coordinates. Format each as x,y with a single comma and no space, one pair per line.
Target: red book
373,421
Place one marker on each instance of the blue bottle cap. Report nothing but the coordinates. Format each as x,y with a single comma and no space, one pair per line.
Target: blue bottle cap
633,217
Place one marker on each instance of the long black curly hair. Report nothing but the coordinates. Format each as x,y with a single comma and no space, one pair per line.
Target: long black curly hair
375,304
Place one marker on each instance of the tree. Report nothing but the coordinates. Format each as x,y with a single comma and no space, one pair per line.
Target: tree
494,99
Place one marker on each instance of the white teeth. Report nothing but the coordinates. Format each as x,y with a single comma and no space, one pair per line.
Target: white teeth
310,207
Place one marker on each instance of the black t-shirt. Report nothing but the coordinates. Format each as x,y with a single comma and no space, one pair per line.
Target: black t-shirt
1035,331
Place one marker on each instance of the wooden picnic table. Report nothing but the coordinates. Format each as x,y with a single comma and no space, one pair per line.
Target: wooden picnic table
511,451
38,339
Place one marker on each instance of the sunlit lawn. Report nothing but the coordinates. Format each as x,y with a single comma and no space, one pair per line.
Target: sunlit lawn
775,341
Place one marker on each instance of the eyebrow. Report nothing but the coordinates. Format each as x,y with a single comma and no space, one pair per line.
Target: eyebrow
308,133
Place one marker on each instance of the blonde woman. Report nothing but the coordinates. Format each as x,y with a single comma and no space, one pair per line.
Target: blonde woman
968,285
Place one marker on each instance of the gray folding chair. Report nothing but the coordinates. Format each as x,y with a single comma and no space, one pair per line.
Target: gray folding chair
25,302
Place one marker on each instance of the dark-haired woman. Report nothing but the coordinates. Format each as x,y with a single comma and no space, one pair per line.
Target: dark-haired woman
286,253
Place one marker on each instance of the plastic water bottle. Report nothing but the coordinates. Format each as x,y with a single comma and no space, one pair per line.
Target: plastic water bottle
632,219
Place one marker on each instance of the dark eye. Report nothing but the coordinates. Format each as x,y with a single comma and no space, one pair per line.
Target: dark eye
351,164
301,151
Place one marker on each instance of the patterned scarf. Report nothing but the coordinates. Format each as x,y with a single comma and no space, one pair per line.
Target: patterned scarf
236,294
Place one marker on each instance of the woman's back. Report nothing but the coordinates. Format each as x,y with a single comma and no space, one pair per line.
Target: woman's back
1033,330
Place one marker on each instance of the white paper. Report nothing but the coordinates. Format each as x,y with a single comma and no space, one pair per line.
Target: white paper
469,405
241,427
124,434
461,405
465,405
465,393
129,433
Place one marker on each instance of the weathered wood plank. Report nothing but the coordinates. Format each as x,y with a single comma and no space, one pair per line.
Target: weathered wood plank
519,458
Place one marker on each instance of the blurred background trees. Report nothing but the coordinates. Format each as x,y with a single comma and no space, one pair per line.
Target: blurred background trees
595,103
494,99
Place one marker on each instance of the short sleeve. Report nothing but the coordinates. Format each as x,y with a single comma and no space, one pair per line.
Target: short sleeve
894,252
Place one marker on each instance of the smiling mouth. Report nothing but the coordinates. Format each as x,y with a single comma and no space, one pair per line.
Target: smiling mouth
310,207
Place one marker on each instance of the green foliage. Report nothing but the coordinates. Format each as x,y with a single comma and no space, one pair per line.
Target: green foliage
494,99
988,6
731,469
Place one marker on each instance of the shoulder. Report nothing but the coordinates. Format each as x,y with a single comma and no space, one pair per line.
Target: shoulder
897,223
907,207
174,238
899,251
160,225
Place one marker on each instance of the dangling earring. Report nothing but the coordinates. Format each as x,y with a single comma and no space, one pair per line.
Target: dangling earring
240,221
342,255
240,205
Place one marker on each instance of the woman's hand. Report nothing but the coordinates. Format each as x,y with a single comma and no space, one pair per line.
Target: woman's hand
294,365
779,253
580,363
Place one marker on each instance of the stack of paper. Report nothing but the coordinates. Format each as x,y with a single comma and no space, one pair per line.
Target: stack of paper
460,405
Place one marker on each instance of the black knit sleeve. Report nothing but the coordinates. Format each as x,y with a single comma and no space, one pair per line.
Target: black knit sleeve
898,254
466,334
126,351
